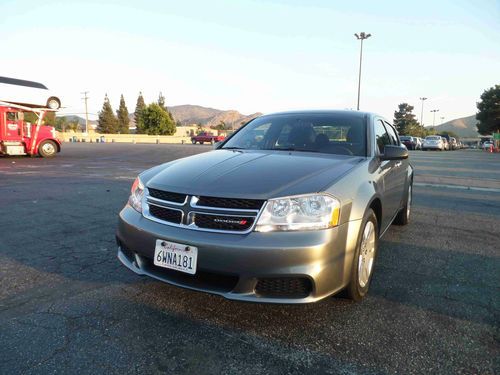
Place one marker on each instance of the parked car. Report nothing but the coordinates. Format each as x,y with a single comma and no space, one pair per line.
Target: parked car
288,209
206,137
446,144
411,143
487,145
420,141
28,93
453,143
433,142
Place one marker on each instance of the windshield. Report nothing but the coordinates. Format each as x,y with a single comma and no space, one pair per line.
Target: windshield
341,134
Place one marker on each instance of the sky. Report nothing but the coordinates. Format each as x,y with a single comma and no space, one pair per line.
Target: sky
257,55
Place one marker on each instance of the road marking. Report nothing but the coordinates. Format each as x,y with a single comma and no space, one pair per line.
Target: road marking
461,187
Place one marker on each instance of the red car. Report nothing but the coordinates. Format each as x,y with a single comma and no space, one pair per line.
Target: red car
206,137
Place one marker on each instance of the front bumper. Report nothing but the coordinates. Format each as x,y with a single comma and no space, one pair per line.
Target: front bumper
232,265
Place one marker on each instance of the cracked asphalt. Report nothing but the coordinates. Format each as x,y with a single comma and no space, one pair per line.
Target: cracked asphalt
67,306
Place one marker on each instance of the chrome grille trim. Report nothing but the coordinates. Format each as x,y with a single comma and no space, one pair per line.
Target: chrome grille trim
189,207
194,200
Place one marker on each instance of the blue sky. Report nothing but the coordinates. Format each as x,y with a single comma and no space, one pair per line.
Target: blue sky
257,55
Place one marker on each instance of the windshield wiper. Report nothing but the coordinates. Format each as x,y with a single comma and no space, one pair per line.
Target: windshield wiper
232,148
291,149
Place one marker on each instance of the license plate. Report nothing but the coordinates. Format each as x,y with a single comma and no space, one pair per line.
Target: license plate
176,256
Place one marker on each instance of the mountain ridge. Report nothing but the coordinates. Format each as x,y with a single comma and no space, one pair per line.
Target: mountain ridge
463,126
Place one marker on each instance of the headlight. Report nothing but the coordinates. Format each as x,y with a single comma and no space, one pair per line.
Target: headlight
304,212
136,194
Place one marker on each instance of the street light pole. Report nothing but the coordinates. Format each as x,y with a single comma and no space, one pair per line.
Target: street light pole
85,98
434,116
422,112
362,36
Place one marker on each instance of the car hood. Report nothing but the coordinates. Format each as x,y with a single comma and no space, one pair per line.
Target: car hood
250,174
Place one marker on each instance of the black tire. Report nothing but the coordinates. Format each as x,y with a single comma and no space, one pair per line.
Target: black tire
355,290
193,141
53,103
403,217
47,149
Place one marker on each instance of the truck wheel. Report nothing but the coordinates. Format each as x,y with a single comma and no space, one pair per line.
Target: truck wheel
47,149
193,141
53,103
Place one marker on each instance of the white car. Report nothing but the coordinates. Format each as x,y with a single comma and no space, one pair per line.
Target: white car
433,142
29,93
487,145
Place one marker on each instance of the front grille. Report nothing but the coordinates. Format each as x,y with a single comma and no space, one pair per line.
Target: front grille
223,222
233,203
284,287
166,214
167,195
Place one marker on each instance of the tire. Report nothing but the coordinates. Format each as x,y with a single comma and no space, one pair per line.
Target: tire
364,258
193,141
403,217
53,103
47,149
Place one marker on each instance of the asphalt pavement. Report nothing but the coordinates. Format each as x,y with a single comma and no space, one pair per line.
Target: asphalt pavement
67,306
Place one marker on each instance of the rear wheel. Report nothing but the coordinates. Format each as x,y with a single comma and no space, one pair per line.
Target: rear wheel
403,217
193,141
53,103
47,149
364,258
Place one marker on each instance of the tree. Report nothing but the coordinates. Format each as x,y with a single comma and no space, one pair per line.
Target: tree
489,111
139,107
107,122
406,123
122,115
48,119
157,121
161,103
61,123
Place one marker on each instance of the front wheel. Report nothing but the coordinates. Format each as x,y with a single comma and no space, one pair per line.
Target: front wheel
364,258
47,149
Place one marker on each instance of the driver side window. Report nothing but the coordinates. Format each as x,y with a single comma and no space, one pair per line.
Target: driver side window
381,136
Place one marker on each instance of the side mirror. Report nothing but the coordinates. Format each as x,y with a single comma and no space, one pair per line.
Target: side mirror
394,153
216,145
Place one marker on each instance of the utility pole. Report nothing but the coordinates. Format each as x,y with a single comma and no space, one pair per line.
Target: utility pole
362,36
434,116
422,112
86,111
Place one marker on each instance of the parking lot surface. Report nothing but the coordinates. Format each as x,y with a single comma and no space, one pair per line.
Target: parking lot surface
68,306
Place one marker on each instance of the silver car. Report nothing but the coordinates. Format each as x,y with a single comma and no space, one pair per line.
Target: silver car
289,209
433,142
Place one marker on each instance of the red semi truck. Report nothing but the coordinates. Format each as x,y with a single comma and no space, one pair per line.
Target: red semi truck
18,137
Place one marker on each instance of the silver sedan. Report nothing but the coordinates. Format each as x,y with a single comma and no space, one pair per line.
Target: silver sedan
289,209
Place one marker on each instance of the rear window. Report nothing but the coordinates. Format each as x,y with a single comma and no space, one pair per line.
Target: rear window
433,138
403,138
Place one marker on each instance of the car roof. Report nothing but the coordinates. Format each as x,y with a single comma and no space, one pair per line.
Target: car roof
358,114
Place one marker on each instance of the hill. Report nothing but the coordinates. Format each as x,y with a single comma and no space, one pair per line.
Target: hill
463,127
194,114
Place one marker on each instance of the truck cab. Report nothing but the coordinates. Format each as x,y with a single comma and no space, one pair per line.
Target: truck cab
18,137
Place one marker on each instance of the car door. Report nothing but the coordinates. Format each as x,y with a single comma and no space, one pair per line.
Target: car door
400,166
387,173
